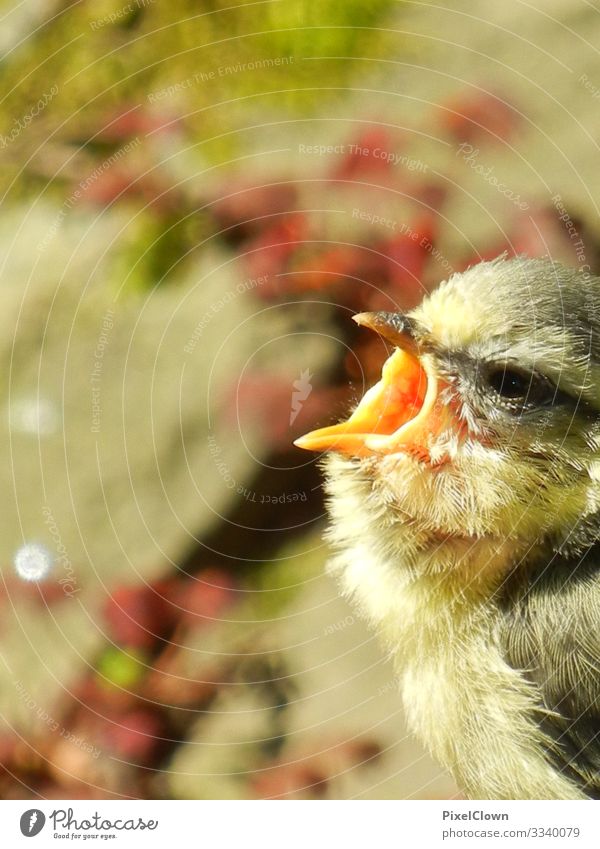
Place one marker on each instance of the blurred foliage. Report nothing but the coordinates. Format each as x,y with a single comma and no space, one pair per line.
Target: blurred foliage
277,583
175,61
120,668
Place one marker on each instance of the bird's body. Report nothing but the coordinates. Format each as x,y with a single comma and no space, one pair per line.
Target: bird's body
446,626
464,495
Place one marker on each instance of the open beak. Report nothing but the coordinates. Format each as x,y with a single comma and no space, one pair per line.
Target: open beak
400,413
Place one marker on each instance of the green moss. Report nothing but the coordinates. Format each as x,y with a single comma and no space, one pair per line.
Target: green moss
155,248
279,582
119,668
207,74
109,56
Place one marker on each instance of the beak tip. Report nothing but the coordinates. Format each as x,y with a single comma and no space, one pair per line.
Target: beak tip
362,318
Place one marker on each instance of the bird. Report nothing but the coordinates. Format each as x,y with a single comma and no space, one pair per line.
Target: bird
463,495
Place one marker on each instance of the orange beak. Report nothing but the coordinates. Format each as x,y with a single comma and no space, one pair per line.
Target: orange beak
400,413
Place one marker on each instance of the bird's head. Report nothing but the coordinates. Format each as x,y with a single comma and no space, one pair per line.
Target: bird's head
486,419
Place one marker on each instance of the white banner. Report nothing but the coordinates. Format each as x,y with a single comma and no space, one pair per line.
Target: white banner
300,825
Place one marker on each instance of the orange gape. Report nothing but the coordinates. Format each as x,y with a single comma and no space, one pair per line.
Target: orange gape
401,413
397,397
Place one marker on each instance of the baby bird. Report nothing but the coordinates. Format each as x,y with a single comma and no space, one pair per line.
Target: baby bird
464,499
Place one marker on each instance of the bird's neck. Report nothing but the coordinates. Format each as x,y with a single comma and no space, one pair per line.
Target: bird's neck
434,601
475,713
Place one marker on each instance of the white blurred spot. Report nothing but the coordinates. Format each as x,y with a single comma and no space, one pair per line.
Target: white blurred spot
32,561
36,416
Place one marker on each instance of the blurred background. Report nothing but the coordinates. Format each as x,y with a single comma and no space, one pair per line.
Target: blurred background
196,197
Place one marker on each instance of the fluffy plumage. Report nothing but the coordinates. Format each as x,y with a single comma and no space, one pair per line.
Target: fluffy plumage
480,565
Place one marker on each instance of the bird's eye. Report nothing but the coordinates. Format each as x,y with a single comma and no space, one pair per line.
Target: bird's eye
508,382
518,386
